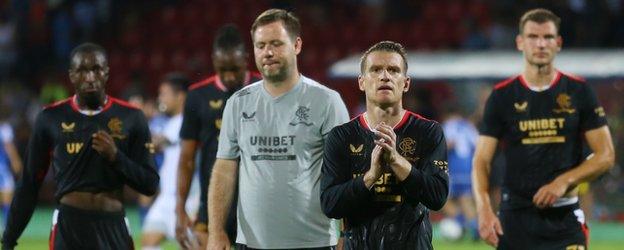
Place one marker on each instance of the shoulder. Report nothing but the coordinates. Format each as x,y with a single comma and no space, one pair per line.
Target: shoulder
317,89
203,84
58,105
248,90
505,84
345,130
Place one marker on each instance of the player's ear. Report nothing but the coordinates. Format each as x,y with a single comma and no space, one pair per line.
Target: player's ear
298,45
519,42
361,82
559,43
407,84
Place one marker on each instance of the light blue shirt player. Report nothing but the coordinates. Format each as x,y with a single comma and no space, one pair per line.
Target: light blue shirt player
279,141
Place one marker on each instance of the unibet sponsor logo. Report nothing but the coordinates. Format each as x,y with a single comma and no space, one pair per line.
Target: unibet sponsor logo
272,148
541,131
73,147
285,140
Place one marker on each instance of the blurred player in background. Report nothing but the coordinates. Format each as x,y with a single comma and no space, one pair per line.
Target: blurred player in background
160,220
385,169
461,138
543,116
272,139
200,128
96,145
10,165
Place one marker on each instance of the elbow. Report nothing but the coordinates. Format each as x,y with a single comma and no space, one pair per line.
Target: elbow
609,160
329,207
152,187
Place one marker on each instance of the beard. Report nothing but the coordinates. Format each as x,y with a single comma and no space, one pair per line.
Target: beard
279,75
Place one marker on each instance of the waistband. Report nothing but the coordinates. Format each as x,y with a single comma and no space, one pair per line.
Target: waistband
71,211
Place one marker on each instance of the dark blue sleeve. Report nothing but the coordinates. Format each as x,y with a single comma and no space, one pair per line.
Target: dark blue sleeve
137,165
492,124
341,194
428,181
191,123
27,188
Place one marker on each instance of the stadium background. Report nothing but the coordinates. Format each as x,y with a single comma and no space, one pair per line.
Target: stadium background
146,39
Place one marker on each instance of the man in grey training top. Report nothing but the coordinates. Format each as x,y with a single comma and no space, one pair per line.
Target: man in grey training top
276,129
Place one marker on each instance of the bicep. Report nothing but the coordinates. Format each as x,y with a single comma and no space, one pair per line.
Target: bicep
486,147
599,140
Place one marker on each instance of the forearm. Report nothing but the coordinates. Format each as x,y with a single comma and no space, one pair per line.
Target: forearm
401,167
588,170
16,161
220,195
481,185
22,208
186,168
141,177
339,200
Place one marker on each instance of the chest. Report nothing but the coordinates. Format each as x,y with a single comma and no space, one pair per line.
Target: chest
543,117
288,126
73,133
209,109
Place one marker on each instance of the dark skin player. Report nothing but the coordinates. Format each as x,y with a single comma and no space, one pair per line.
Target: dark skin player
88,73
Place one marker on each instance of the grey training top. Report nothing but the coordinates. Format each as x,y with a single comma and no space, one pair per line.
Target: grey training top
279,141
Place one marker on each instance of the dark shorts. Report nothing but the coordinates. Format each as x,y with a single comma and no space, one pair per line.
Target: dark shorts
552,228
75,228
244,247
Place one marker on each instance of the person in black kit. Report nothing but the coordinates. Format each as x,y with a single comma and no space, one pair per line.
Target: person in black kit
385,169
542,116
201,125
96,144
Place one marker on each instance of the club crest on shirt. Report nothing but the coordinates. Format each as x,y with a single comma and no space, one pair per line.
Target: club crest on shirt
301,117
356,150
115,125
218,123
521,106
215,104
150,147
600,111
68,127
407,148
565,104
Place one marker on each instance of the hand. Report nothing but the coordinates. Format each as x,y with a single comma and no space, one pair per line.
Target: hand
374,172
549,193
387,141
183,223
104,144
489,228
218,240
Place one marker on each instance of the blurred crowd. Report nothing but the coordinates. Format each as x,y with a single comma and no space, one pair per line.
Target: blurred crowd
146,39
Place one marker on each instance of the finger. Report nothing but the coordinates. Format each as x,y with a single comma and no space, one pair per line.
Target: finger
384,145
386,137
498,228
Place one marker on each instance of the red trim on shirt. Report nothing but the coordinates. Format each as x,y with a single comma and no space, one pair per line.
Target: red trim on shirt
57,103
73,104
552,83
403,120
573,77
204,82
363,121
505,82
120,102
52,237
585,230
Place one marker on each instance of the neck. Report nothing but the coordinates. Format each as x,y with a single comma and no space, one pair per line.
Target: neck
276,89
390,115
539,75
91,103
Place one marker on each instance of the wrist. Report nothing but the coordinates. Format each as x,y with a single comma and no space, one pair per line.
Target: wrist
369,179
